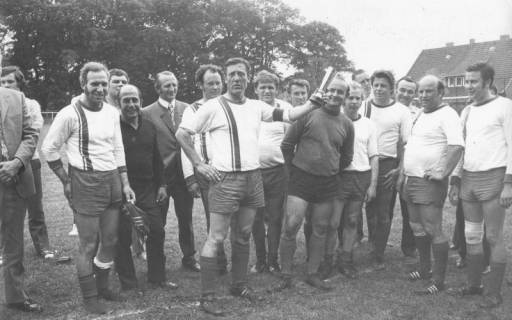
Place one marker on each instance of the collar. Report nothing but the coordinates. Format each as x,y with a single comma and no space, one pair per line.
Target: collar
166,104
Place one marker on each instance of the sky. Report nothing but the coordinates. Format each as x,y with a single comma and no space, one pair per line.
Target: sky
391,34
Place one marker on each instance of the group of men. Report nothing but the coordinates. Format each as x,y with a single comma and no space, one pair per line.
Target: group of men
263,167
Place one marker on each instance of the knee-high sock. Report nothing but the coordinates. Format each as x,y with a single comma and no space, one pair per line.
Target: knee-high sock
474,269
209,267
239,262
440,251
316,252
287,250
88,286
423,244
495,278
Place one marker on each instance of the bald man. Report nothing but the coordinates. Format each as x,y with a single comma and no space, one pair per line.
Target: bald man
432,152
145,167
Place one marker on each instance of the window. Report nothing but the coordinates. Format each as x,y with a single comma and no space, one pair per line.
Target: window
450,81
460,82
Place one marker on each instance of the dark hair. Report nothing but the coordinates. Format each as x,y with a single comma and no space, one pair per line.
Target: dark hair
298,82
485,69
388,75
91,66
493,89
199,77
118,73
18,75
407,79
266,76
238,60
159,75
356,73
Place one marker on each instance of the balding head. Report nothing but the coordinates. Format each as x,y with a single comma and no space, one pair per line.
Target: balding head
430,92
130,102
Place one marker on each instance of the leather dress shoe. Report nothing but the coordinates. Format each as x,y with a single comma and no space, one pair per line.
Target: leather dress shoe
192,266
165,285
28,305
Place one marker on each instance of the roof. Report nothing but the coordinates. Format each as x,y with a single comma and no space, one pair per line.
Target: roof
453,60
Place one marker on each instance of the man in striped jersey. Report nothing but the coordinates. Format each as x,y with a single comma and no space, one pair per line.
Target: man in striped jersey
483,181
274,177
96,180
236,188
209,78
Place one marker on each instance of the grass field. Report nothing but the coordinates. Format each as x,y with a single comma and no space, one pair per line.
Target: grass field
375,295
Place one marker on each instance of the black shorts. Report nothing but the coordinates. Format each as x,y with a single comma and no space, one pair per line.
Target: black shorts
426,192
354,184
312,188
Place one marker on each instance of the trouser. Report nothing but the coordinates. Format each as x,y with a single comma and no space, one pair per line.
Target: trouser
183,203
274,186
407,245
36,221
145,193
12,215
378,211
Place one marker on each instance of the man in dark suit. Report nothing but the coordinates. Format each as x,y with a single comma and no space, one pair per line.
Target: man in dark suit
166,114
18,141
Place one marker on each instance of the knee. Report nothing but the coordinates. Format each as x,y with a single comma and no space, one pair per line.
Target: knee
291,228
492,237
474,233
352,221
417,229
109,240
320,228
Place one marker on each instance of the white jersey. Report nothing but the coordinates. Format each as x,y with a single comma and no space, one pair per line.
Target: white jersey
393,124
431,134
201,142
271,136
234,130
34,111
93,138
365,144
488,131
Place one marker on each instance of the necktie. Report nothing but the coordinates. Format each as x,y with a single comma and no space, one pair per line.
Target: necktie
171,112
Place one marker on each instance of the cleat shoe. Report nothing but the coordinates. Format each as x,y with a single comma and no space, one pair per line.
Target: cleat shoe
466,291
211,305
28,305
286,282
47,254
431,290
110,295
315,281
416,275
487,269
491,301
348,270
245,292
259,267
274,267
461,263
93,305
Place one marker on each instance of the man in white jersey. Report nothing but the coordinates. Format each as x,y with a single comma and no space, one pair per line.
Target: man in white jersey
406,89
95,182
274,177
393,121
13,78
431,154
116,79
358,185
483,180
209,78
236,188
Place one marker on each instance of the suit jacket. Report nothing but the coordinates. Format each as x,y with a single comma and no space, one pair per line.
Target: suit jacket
20,136
168,145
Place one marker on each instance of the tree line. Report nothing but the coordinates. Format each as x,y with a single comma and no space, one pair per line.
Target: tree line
51,39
